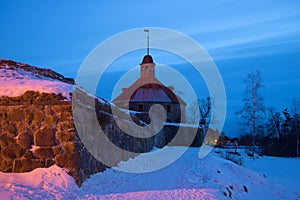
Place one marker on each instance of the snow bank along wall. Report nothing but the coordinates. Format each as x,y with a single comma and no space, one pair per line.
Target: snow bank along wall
37,130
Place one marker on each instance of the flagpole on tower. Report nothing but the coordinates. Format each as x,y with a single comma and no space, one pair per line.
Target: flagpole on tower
148,48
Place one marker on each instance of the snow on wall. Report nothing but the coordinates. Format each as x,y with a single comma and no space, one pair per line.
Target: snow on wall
15,82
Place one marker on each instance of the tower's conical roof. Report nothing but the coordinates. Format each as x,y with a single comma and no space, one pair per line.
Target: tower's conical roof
147,59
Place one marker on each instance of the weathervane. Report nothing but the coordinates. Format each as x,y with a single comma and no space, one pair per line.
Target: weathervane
147,31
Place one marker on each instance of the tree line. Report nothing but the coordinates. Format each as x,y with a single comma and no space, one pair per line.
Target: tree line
264,129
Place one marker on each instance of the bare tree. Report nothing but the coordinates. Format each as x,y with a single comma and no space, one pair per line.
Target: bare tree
275,123
204,108
296,121
202,114
287,121
193,112
253,109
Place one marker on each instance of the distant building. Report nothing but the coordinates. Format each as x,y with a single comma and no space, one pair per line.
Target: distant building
148,90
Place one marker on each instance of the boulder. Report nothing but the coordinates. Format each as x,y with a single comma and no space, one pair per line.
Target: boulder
29,116
65,136
26,165
2,116
28,155
67,160
49,162
66,115
16,115
48,110
56,109
45,137
51,120
69,147
22,127
12,128
38,115
57,150
25,139
66,126
12,151
43,152
6,165
35,125
6,139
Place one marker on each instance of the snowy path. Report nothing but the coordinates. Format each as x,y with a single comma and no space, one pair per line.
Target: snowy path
172,182
171,177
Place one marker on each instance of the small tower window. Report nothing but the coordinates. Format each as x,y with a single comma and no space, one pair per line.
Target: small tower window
141,107
169,108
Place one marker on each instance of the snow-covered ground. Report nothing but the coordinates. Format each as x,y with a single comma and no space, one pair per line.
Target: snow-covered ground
285,171
187,178
15,82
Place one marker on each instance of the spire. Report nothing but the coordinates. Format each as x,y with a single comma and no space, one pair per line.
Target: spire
148,48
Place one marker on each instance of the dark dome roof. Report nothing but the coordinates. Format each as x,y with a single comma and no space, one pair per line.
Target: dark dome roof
147,59
153,92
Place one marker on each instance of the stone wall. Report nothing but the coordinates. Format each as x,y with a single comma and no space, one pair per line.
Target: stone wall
179,135
37,130
40,132
33,136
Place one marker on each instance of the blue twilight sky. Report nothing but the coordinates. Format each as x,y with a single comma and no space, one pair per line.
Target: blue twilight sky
240,36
